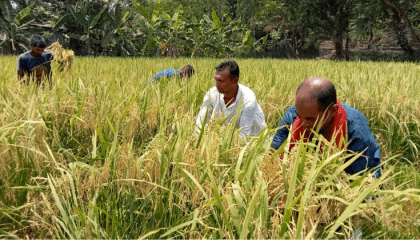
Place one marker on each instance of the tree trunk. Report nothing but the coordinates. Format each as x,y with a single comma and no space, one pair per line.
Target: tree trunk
399,28
338,48
410,27
370,41
402,38
347,48
402,16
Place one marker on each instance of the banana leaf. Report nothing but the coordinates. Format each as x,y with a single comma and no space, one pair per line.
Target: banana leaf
21,15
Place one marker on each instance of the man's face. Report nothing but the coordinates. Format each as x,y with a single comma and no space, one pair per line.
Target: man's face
311,114
185,73
224,81
36,51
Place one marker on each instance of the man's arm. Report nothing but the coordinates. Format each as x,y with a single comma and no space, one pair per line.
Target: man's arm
49,55
206,108
157,76
370,158
362,139
251,115
281,134
20,69
20,75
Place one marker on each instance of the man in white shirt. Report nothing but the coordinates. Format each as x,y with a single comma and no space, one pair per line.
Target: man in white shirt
224,100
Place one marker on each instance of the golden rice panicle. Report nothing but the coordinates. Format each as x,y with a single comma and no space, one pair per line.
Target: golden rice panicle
62,56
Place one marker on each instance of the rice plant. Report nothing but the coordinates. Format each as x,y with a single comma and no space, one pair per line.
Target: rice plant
103,154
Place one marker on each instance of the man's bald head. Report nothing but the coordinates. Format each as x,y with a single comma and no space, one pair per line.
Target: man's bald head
315,105
318,88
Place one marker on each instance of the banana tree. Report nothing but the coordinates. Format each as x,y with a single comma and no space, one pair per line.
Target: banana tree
17,26
172,28
217,38
151,28
117,35
90,34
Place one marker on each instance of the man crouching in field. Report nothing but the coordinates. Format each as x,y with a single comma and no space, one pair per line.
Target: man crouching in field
186,71
35,62
225,97
316,97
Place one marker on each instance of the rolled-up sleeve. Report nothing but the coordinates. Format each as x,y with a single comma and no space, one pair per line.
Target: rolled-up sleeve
207,107
281,134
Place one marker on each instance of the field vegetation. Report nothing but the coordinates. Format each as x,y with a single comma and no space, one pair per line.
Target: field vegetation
102,154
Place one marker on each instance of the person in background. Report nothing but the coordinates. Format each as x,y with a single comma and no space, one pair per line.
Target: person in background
165,48
316,97
224,100
36,62
186,71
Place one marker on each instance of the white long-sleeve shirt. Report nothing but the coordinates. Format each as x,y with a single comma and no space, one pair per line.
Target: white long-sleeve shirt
251,119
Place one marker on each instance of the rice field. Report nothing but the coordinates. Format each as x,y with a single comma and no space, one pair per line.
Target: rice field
101,154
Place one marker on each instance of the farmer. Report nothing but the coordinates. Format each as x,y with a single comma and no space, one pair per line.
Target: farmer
225,98
186,71
316,97
36,62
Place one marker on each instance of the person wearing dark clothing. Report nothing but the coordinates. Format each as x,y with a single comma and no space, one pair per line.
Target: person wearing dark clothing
35,62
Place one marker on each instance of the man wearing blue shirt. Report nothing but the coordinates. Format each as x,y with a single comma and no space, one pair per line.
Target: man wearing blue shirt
186,71
316,97
35,62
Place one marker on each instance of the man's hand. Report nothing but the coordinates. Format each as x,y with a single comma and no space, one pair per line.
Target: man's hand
20,75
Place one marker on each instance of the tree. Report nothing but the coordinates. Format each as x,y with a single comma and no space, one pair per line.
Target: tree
327,19
118,35
394,12
17,25
282,21
371,14
151,28
84,23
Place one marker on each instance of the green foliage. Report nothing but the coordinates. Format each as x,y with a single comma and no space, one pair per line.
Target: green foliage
327,20
396,16
281,28
17,25
185,37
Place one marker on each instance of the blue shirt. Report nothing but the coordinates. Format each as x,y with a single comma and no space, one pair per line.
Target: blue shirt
359,134
26,62
168,73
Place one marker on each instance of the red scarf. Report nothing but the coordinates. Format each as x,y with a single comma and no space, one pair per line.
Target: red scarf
339,125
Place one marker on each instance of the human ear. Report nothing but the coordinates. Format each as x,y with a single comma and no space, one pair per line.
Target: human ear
333,110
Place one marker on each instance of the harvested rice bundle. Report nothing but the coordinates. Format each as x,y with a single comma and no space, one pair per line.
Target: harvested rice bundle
62,56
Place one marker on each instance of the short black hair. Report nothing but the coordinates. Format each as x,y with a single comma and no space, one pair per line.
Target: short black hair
325,96
233,68
38,41
190,69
